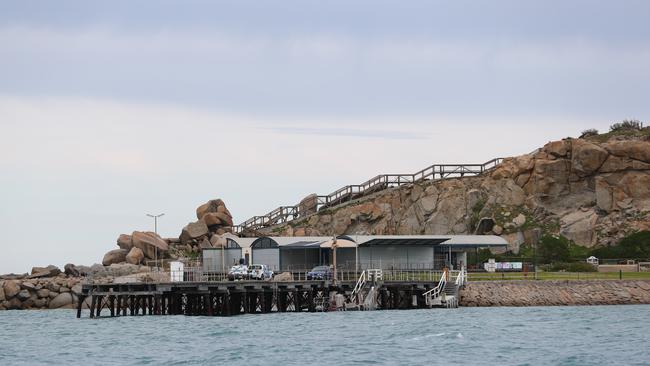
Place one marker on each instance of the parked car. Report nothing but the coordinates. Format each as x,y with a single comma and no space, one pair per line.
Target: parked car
238,272
320,273
259,272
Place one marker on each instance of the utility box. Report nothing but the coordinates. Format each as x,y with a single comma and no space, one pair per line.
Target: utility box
490,266
176,270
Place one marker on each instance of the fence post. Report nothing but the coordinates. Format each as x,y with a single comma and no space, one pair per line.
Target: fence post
620,274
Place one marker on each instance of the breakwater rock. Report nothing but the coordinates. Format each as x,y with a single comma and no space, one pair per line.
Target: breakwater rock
550,293
39,293
50,288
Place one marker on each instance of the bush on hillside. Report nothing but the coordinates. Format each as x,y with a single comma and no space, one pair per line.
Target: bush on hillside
635,246
627,125
588,133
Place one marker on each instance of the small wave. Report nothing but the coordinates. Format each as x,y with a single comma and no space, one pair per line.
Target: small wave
434,335
426,336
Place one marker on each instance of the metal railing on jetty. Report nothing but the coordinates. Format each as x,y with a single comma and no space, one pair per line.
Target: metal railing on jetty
198,274
285,214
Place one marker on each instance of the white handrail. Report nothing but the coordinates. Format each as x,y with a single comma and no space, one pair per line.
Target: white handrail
361,282
436,291
461,278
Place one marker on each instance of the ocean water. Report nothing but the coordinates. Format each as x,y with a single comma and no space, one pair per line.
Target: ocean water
594,335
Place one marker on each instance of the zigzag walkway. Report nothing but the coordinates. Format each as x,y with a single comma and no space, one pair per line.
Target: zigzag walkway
313,203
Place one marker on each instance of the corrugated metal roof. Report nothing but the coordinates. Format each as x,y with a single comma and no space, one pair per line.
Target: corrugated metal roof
444,240
303,244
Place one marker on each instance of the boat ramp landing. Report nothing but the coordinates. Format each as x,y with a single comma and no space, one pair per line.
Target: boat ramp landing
225,298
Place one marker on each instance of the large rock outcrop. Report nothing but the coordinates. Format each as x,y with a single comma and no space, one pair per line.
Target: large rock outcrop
114,256
594,191
214,221
152,245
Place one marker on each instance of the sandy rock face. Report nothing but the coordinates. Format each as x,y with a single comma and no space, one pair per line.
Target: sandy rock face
135,256
194,230
11,288
49,271
114,256
587,158
149,243
61,300
71,270
592,191
125,242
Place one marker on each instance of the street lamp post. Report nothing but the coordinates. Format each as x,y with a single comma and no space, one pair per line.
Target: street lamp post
155,228
334,246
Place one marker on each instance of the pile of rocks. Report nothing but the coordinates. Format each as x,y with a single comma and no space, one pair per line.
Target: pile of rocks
214,221
136,248
45,288
50,288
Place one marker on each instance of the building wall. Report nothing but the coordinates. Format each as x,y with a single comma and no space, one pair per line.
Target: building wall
212,259
270,257
402,257
299,259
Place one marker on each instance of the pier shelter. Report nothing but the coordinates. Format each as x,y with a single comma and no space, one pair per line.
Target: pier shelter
367,251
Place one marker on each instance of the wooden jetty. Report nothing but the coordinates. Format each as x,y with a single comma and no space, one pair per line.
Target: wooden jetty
226,298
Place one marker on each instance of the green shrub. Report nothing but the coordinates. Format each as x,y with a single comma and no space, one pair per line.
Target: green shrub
636,245
571,267
627,125
589,132
553,249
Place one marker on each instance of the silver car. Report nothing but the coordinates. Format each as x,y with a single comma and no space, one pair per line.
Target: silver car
238,272
259,272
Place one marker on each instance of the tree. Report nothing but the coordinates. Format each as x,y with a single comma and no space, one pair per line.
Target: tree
553,249
636,245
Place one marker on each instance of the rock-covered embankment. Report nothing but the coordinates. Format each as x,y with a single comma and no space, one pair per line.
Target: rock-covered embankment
50,288
550,293
39,293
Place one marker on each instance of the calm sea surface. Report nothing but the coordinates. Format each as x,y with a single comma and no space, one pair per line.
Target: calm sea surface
598,335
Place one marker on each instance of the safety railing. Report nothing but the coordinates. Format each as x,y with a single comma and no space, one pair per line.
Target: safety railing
361,283
461,278
285,214
435,292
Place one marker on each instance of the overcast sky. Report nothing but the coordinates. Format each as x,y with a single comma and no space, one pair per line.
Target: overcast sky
110,111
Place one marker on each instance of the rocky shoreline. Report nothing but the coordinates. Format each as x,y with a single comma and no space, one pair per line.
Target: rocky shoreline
50,288
555,293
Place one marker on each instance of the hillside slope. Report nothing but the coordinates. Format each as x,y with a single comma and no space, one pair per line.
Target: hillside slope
593,191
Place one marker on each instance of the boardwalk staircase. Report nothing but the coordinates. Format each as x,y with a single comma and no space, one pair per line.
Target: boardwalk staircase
284,214
364,295
446,293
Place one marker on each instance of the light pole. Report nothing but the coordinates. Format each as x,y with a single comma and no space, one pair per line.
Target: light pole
155,228
334,246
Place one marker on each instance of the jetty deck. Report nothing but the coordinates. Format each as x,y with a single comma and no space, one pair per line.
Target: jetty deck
227,298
